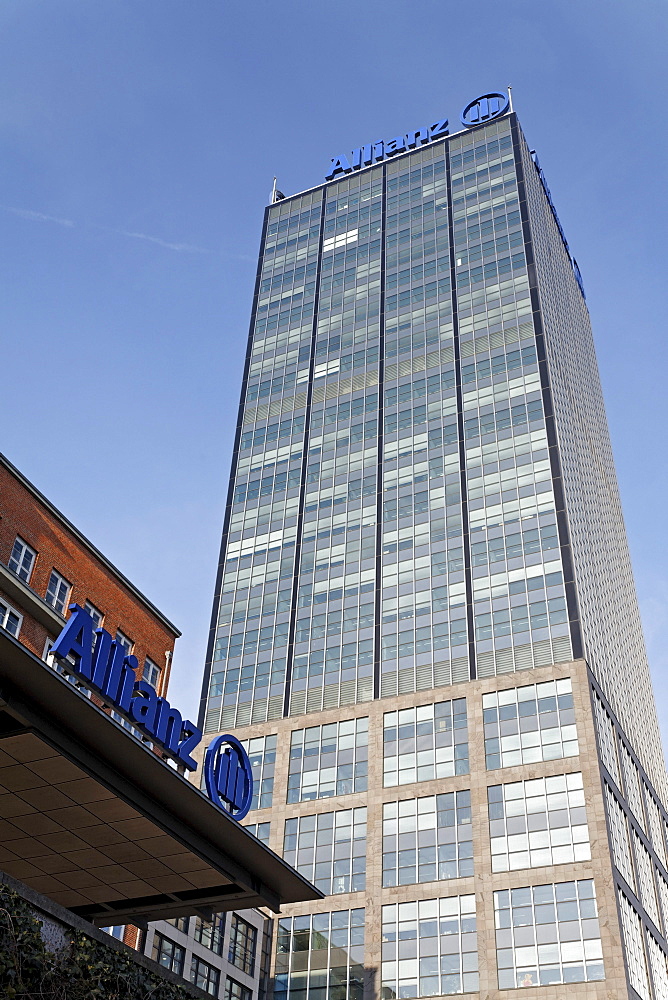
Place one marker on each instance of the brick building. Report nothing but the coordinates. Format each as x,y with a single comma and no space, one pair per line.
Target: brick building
46,564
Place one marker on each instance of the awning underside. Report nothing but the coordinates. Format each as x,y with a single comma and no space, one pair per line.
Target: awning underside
64,834
92,818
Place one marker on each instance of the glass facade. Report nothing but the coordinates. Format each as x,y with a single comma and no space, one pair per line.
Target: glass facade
321,957
633,935
260,830
427,742
430,948
427,839
205,976
168,954
262,754
538,822
422,543
243,943
619,838
329,849
393,514
548,934
531,723
328,760
657,961
210,932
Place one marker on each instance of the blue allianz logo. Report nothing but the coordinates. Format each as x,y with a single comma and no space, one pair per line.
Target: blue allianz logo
483,109
229,776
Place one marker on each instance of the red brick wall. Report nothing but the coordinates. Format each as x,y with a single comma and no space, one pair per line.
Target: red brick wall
32,634
21,513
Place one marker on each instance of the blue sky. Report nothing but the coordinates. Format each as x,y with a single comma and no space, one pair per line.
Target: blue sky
138,145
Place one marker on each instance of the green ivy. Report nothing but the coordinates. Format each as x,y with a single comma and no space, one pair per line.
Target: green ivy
82,969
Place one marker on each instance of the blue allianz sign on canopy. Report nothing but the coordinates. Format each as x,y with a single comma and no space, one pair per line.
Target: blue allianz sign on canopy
482,110
104,664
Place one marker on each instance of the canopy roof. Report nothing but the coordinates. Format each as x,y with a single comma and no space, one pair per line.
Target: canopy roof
93,819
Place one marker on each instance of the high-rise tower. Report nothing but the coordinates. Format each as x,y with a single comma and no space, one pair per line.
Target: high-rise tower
425,623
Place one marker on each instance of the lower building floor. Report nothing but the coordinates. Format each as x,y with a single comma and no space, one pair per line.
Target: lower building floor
473,839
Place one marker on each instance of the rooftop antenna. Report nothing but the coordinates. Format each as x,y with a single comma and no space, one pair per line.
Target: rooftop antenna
276,195
510,102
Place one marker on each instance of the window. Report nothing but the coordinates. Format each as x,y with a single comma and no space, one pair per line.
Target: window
632,937
63,668
266,982
210,932
22,560
619,838
122,721
430,741
58,592
662,889
655,824
243,938
96,615
547,934
205,976
181,923
607,745
632,784
328,760
151,672
235,991
168,954
329,849
538,822
10,619
330,946
528,724
117,931
430,948
259,830
126,643
645,869
427,839
262,754
657,961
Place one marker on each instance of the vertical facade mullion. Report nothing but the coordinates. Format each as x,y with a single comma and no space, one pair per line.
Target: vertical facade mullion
379,473
460,429
302,485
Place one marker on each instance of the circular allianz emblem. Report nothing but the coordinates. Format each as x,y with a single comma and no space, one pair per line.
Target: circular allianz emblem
229,776
483,109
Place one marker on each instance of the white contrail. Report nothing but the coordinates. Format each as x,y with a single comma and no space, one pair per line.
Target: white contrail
26,213
185,247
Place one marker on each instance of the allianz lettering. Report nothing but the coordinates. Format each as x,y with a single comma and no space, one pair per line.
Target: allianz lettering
376,151
106,666
478,112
